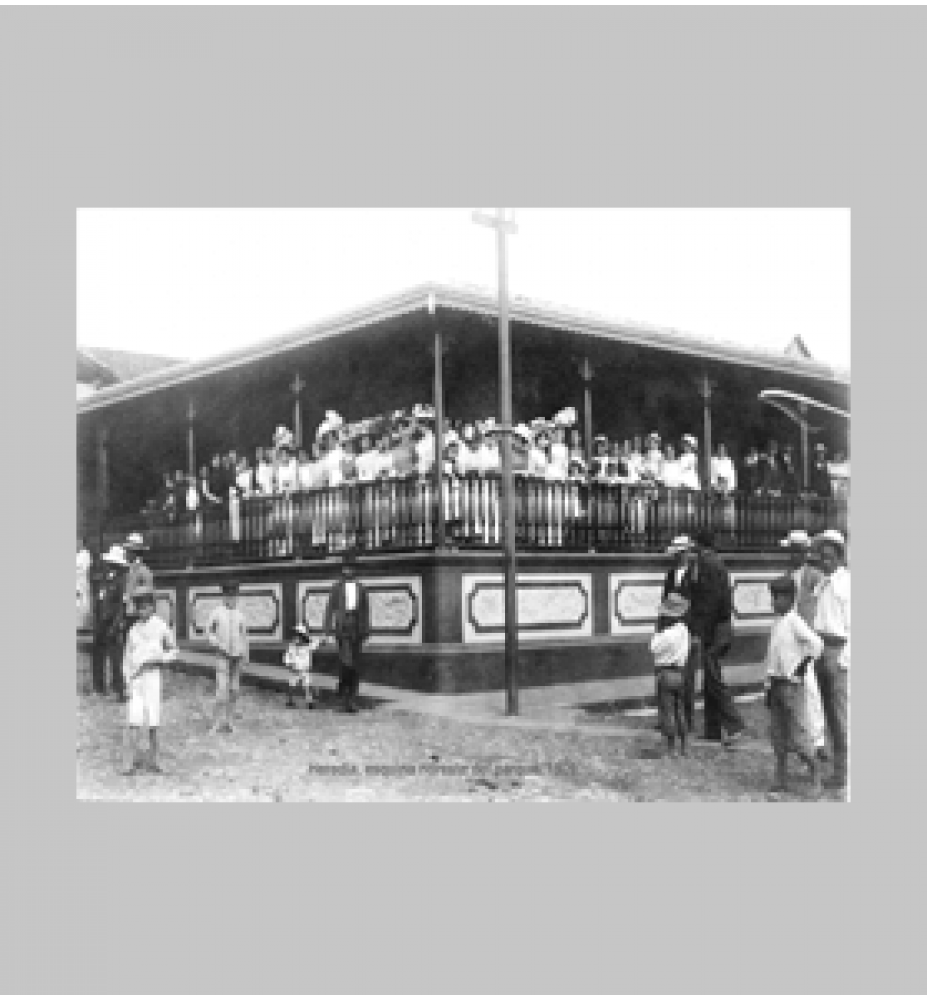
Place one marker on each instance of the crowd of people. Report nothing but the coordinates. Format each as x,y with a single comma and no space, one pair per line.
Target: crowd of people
401,445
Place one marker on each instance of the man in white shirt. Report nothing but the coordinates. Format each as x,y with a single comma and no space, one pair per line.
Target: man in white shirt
723,474
263,472
832,624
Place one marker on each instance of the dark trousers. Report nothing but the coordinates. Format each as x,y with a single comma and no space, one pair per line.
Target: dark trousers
349,656
720,712
107,650
688,681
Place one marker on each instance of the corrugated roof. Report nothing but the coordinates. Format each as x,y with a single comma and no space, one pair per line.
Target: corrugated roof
471,300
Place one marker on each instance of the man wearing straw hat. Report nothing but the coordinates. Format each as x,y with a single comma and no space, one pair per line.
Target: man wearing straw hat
832,624
139,576
109,621
807,578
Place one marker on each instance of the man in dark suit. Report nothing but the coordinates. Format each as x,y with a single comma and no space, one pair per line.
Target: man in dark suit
347,618
710,611
681,578
109,621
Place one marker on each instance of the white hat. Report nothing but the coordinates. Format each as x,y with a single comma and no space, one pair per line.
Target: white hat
653,436
681,543
689,439
135,541
301,630
116,556
468,432
566,417
833,536
451,437
796,537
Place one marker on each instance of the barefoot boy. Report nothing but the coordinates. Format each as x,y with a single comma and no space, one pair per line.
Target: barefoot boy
228,633
149,645
793,646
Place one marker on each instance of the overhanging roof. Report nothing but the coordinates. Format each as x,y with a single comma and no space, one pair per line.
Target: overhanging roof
476,302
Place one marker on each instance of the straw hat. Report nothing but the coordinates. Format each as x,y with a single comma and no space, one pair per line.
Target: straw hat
144,593
116,556
674,606
690,440
797,538
681,543
831,537
135,541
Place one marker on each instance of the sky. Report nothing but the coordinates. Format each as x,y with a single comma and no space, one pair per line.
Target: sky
191,283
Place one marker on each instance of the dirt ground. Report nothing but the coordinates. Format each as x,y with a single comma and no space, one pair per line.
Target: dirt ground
388,754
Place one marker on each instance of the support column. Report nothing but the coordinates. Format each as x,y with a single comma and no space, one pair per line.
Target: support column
705,389
803,410
191,440
438,395
587,374
297,386
102,481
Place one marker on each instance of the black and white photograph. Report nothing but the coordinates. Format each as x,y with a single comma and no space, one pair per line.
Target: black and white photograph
463,504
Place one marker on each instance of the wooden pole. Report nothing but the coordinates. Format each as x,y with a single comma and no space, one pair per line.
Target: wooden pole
508,493
438,393
503,227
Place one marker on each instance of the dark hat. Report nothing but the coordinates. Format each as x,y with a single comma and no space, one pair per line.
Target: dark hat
144,593
705,538
782,585
674,606
230,587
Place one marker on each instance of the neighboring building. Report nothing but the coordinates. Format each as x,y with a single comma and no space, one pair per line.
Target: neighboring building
99,368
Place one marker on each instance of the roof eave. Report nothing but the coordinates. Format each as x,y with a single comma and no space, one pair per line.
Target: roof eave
421,297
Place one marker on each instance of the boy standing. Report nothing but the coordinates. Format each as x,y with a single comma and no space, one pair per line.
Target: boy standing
227,631
149,645
793,646
670,648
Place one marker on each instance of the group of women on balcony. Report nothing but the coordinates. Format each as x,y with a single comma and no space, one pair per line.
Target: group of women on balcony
402,446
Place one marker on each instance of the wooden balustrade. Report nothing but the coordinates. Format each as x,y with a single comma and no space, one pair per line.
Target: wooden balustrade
402,514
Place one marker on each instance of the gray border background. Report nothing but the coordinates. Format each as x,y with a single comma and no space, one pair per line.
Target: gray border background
418,106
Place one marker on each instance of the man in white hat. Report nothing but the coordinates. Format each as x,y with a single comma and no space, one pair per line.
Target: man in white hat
109,621
832,624
807,578
139,575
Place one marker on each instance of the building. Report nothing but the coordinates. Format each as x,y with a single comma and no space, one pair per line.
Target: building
590,562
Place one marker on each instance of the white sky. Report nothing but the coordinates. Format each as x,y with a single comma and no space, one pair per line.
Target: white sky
192,283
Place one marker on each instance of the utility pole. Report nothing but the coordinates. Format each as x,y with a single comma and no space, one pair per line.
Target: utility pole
504,227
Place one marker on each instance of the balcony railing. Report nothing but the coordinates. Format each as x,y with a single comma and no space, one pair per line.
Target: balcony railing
402,515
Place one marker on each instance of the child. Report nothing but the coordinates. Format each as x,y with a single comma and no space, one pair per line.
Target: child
227,631
149,644
670,648
298,658
792,646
